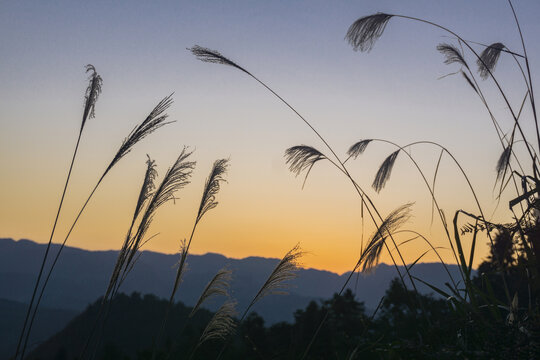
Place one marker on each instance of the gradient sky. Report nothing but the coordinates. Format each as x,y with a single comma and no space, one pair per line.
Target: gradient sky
298,48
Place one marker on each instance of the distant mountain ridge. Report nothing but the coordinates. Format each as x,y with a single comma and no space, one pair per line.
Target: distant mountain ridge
81,277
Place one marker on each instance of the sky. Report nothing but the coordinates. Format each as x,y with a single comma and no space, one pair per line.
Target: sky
395,92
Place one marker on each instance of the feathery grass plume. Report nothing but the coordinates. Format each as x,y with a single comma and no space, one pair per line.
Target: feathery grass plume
488,59
218,286
469,81
153,121
358,148
452,54
503,162
302,157
222,323
148,186
212,186
92,93
371,254
384,172
146,192
208,202
182,265
284,271
276,282
176,178
363,33
213,56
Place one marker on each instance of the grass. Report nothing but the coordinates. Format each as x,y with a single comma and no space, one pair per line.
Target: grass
480,305
362,36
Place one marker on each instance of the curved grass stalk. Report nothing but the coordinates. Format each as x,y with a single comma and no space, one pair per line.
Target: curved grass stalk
212,56
362,38
531,92
433,196
303,157
434,199
394,220
473,192
498,128
475,85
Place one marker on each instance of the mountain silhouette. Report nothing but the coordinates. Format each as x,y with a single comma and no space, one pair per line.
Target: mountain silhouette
81,276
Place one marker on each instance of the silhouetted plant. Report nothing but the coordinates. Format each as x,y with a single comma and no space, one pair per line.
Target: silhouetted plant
90,98
153,121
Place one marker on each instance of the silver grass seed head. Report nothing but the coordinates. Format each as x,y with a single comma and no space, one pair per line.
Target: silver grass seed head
148,184
212,187
92,93
218,286
452,54
384,172
358,148
488,59
503,162
222,323
214,57
151,123
371,254
286,270
302,157
365,31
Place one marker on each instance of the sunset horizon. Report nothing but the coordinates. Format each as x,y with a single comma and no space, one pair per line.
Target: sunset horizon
313,137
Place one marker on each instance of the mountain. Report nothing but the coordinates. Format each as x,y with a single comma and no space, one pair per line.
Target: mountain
48,321
81,276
